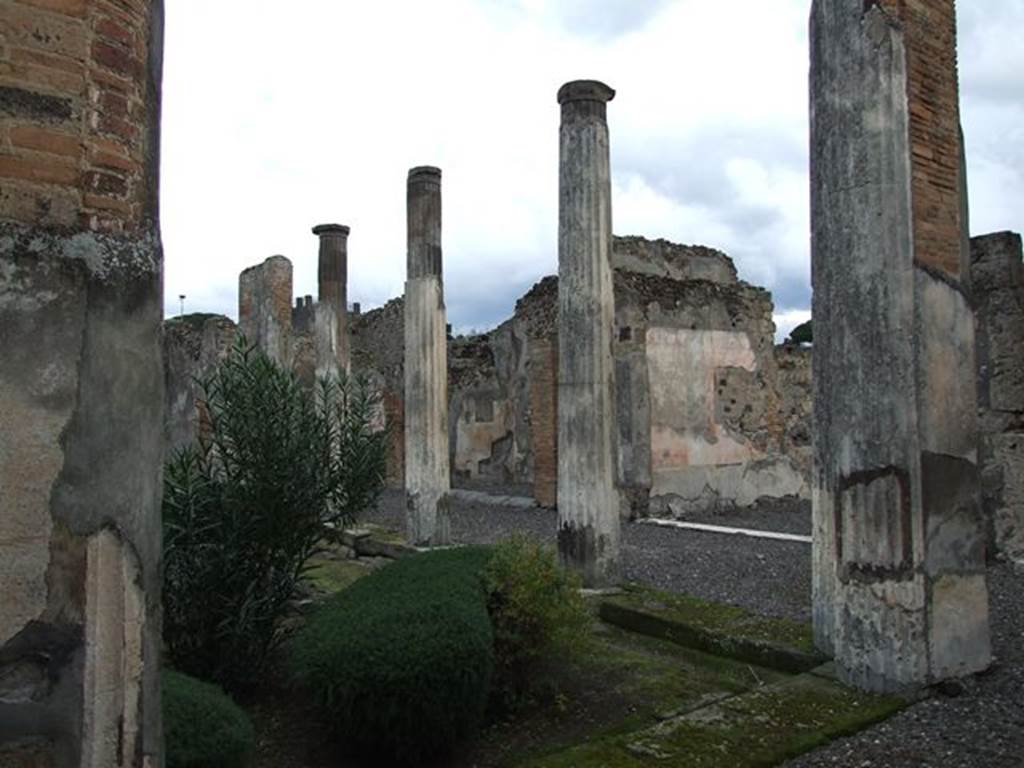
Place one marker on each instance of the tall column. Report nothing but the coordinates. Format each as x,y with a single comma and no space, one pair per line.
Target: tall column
427,479
81,384
588,509
900,595
331,318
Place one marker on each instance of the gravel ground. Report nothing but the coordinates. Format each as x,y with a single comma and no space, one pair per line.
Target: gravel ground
981,726
772,578
779,516
976,724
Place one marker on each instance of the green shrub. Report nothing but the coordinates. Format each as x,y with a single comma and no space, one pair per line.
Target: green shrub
536,611
203,728
402,659
245,508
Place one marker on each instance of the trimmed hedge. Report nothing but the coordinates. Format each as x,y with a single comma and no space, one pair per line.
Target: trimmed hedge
402,659
203,728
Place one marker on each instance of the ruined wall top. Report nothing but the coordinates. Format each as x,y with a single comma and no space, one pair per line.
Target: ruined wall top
667,259
996,261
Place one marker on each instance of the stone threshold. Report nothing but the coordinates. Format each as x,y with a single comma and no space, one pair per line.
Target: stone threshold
722,529
722,630
482,497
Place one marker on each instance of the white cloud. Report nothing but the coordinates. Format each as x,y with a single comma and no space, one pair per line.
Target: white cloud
279,116
785,322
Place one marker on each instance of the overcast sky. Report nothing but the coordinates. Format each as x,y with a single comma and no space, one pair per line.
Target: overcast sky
279,115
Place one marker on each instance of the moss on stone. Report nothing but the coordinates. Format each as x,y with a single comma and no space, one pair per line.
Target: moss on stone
721,629
757,729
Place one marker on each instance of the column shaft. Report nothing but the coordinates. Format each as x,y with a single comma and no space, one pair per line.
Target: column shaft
427,463
588,510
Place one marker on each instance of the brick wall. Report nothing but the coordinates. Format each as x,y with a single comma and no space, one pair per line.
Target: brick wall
73,120
930,38
544,419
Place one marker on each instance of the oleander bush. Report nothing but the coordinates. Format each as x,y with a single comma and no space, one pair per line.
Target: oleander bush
203,728
537,614
402,659
247,506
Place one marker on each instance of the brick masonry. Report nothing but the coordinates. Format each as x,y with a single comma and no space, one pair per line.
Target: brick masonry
933,101
73,113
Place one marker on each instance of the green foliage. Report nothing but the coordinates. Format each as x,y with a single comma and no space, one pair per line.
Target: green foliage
802,334
203,728
246,507
402,659
537,614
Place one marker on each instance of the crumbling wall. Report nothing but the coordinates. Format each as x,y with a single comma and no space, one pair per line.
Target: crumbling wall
489,403
703,405
793,384
662,258
81,384
709,414
193,346
377,351
997,279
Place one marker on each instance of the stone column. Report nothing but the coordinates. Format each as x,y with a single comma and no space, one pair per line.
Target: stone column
427,464
265,307
81,385
331,318
899,587
588,509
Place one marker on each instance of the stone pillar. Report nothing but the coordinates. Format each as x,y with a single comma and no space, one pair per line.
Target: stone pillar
331,319
265,307
899,589
588,508
81,384
427,473
997,283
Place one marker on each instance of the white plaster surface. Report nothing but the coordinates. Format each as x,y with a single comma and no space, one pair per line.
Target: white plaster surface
693,456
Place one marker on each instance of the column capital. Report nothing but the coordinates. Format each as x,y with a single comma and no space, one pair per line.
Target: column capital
330,229
585,90
424,173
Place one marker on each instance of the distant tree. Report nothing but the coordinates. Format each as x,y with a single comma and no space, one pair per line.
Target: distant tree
802,334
